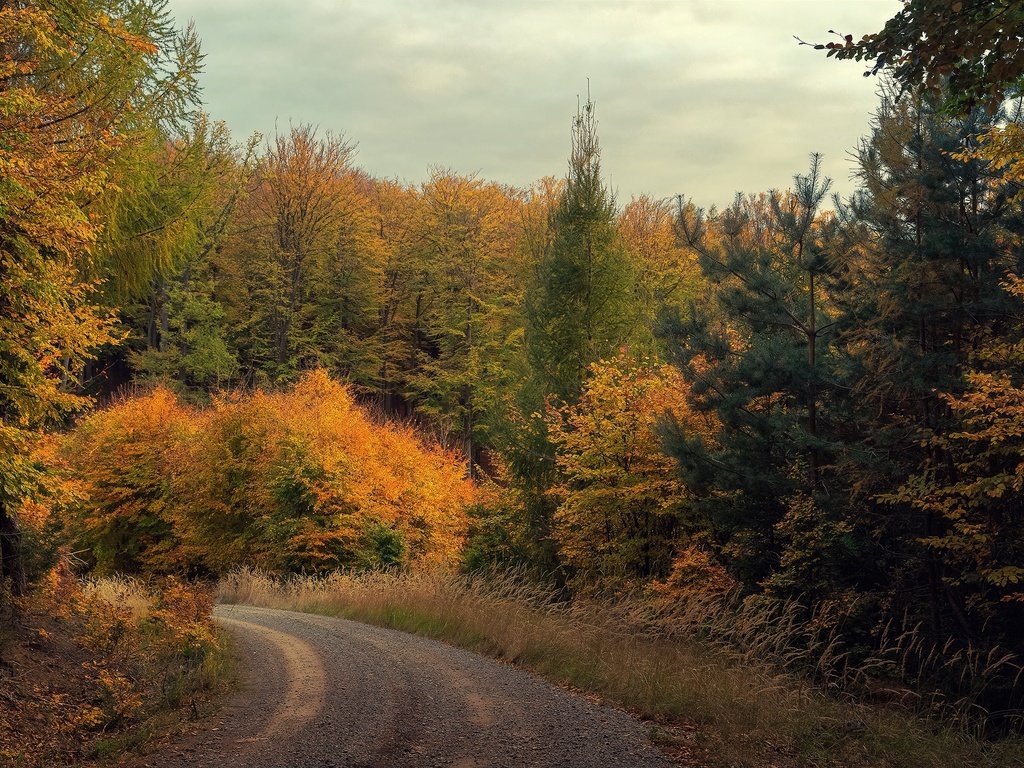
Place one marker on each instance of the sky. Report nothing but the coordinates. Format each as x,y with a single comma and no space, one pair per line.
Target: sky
697,97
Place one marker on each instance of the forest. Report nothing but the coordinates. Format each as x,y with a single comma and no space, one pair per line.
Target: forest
217,353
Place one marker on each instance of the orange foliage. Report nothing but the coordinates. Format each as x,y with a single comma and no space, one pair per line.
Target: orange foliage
296,480
97,658
121,459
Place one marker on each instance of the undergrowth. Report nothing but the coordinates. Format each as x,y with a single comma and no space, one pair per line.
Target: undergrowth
98,667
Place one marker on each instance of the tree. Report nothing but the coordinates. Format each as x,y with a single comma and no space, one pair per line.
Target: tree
582,305
469,312
668,278
981,544
918,292
293,217
757,353
621,507
346,288
80,82
971,51
175,201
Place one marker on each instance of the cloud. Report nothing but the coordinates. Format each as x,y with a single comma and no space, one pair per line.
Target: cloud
693,96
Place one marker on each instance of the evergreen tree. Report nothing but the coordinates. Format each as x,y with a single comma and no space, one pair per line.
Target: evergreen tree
759,354
917,294
582,306
171,214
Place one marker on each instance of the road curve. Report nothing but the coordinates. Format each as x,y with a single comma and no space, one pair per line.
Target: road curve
319,692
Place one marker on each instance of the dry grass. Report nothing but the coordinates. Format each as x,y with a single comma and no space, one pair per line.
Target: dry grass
664,664
123,592
902,667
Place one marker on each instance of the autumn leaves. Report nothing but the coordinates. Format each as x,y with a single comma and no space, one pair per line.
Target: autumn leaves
302,480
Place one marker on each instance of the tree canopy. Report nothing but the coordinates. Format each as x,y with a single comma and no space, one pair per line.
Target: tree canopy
970,50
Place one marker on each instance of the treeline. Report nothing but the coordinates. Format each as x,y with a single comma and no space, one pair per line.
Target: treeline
803,398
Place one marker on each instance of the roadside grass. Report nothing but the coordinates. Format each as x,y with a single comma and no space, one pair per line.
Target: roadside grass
187,693
746,712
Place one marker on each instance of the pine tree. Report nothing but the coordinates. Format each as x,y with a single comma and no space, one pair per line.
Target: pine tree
759,353
917,294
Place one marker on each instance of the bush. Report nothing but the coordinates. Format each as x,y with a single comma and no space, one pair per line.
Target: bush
302,480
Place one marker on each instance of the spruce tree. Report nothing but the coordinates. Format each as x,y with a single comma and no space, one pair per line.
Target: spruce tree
582,306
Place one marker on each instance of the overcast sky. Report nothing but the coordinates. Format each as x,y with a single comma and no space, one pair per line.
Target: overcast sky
701,97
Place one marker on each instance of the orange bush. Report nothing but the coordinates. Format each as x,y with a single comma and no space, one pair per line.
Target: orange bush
296,480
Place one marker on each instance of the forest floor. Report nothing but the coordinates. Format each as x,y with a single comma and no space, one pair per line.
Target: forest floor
322,691
43,667
85,677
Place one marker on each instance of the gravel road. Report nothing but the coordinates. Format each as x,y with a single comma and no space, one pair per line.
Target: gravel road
320,692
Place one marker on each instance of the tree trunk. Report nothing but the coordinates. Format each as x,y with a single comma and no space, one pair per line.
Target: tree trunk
13,565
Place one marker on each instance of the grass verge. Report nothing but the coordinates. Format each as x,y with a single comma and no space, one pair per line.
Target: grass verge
703,701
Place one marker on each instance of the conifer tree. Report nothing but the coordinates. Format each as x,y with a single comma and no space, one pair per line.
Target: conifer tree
918,293
582,306
80,83
758,352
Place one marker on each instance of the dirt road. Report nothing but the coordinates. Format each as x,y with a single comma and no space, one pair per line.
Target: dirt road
320,692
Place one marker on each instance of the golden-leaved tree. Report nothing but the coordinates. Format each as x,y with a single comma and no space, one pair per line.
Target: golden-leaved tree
79,81
621,507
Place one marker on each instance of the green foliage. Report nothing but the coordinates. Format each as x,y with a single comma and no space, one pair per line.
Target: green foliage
979,541
920,287
582,304
193,353
759,355
380,546
467,308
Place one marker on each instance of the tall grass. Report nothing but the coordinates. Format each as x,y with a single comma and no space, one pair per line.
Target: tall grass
902,665
669,664
125,593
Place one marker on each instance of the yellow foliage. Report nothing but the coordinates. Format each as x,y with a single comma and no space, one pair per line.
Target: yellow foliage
620,502
302,479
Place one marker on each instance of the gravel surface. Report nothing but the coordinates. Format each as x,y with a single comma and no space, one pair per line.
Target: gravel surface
320,691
